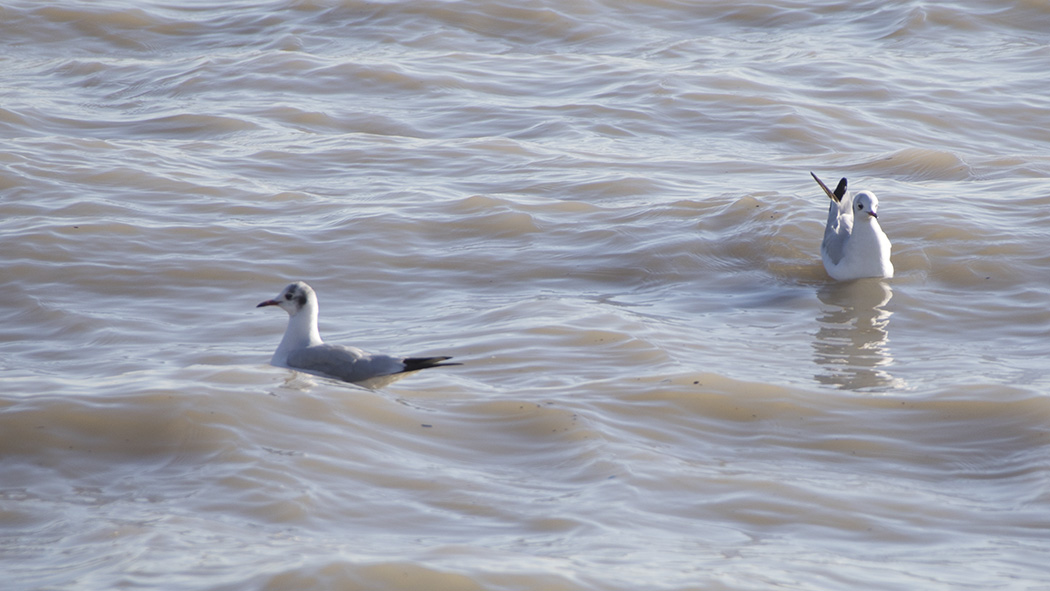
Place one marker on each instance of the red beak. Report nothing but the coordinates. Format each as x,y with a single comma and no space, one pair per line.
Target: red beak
267,303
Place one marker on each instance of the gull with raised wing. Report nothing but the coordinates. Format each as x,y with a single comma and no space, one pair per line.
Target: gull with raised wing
301,347
854,245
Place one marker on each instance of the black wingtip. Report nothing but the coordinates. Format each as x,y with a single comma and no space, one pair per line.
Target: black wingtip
841,189
418,363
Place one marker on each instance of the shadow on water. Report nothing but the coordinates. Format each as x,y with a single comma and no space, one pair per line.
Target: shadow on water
851,346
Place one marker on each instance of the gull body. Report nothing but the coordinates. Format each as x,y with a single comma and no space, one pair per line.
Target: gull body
854,244
301,346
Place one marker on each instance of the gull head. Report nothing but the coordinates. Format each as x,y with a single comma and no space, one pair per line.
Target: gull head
293,298
865,202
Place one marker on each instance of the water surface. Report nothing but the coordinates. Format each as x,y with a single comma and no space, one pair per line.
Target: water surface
603,209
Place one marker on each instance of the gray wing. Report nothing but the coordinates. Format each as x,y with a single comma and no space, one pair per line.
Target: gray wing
345,363
837,230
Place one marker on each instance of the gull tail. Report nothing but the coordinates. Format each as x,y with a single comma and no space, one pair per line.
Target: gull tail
418,363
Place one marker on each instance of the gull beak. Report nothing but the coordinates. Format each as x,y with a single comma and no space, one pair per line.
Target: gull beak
873,214
835,196
267,303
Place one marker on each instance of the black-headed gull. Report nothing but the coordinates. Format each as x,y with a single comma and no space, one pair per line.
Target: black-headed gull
854,245
301,347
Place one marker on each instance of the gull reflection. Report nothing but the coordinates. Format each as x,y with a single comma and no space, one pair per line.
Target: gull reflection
852,344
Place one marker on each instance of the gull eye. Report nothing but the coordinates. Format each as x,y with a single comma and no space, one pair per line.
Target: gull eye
860,206
288,296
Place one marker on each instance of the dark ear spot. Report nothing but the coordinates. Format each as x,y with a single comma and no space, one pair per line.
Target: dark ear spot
300,299
841,189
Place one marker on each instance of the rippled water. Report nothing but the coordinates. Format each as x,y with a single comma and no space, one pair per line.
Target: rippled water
603,209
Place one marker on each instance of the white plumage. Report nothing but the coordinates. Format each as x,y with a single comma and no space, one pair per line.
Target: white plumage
854,244
302,348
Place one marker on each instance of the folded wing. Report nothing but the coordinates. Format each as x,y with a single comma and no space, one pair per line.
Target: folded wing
354,365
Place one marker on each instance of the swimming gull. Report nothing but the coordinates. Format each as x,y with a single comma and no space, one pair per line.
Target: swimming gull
301,347
854,245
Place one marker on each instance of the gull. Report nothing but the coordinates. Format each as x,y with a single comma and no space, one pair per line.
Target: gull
854,245
301,347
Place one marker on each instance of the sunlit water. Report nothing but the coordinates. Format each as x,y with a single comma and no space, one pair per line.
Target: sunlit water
604,210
